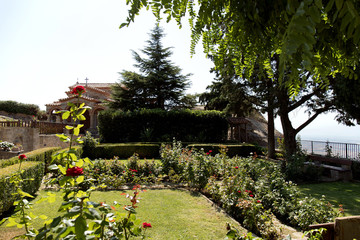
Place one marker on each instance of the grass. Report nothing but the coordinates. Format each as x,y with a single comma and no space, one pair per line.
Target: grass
344,193
173,214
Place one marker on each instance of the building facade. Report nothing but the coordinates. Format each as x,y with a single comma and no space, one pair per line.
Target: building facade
95,97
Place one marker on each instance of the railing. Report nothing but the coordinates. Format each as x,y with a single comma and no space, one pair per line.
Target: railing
44,127
334,149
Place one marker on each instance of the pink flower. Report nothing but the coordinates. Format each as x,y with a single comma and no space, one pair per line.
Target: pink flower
258,201
22,157
146,225
251,195
236,167
210,151
74,171
78,90
239,191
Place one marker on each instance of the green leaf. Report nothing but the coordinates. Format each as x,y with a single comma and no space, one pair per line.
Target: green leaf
94,213
76,131
53,167
80,163
80,227
66,115
130,209
81,118
76,209
339,4
79,179
42,234
62,169
88,161
24,194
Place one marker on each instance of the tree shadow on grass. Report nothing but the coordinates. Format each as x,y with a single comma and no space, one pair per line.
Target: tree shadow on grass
337,193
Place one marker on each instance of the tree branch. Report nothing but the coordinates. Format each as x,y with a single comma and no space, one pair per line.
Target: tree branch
303,99
312,118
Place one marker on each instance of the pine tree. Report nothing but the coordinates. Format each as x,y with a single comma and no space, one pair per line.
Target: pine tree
159,84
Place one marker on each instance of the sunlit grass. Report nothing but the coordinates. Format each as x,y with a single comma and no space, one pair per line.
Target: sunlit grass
344,193
173,214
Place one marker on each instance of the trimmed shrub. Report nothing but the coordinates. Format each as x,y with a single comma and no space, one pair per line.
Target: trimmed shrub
38,155
155,125
240,150
32,170
125,150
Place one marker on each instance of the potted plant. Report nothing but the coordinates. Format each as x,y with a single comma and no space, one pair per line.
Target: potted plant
6,146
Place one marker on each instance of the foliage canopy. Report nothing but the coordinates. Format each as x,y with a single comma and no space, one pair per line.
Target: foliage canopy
321,36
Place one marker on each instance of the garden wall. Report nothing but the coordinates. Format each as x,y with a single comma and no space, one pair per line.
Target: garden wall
29,138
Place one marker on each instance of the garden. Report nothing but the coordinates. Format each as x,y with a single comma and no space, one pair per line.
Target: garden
188,193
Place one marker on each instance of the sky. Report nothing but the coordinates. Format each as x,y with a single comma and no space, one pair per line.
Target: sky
46,46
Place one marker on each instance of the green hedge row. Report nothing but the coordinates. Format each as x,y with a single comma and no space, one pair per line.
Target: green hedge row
155,125
38,155
124,150
241,150
152,150
32,170
16,107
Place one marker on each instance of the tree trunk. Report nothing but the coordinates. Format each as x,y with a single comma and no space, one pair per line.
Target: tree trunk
271,125
271,134
289,134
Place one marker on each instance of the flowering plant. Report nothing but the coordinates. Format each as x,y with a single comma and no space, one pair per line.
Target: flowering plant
74,171
78,90
6,145
82,218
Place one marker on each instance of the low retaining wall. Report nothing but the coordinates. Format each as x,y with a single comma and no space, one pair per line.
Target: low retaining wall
27,137
51,140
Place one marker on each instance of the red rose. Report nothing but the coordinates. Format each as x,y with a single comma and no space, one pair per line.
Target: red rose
258,201
22,157
146,225
251,195
236,167
74,171
78,90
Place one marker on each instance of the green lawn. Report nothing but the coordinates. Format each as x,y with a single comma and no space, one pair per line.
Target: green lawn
345,193
173,214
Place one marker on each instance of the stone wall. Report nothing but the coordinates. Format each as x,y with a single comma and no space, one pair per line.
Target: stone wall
51,140
27,137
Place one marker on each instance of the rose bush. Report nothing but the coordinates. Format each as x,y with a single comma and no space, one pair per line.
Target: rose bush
74,171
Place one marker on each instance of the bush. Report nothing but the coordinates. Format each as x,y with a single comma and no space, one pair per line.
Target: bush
160,125
39,155
88,146
125,150
15,107
240,150
32,170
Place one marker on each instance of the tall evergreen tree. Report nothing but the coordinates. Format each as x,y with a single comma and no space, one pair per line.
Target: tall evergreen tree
159,84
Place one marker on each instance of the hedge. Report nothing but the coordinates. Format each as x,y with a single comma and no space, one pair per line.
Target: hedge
240,150
125,150
38,155
32,170
152,150
155,125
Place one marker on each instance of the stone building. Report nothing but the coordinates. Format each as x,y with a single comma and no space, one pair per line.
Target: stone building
96,95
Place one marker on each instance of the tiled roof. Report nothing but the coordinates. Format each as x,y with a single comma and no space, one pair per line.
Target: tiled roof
94,85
